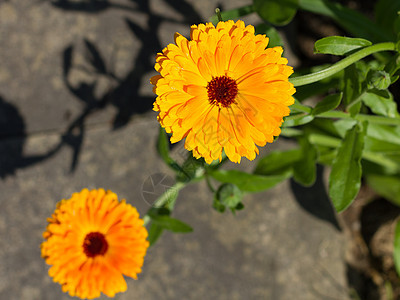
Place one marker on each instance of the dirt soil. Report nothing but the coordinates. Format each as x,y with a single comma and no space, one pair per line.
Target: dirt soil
369,225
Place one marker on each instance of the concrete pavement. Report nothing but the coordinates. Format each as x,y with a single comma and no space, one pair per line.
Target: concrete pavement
75,112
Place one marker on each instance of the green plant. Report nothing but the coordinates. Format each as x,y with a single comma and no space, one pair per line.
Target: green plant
354,129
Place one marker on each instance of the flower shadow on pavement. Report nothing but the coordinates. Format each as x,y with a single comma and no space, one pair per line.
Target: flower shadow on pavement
12,140
12,136
123,92
91,6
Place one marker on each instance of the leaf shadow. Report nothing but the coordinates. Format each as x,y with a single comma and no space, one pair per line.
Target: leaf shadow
315,199
124,91
88,6
12,141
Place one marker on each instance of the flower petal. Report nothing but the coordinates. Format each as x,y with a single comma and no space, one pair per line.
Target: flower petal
222,90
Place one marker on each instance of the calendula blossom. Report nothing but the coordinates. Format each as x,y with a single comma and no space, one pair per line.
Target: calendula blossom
222,90
92,240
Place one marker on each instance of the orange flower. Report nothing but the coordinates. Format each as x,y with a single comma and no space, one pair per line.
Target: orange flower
222,90
92,240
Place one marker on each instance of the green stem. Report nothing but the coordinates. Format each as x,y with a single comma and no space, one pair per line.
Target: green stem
340,65
361,118
335,114
290,132
209,184
164,199
218,12
332,142
357,100
381,159
301,107
324,140
378,119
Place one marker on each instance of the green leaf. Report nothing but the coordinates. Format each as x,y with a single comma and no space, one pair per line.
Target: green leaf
163,150
354,108
291,132
322,126
297,119
364,67
328,103
190,168
394,158
326,155
394,78
386,186
325,140
158,211
383,142
248,182
339,45
396,250
387,163
233,14
155,232
174,225
296,108
276,12
240,206
379,145
352,21
278,162
304,170
393,65
342,126
273,35
352,89
381,103
384,132
345,177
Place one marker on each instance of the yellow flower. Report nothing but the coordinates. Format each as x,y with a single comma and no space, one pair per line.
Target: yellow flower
92,240
222,90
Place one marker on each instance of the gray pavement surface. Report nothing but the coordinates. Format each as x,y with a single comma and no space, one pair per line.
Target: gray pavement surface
75,112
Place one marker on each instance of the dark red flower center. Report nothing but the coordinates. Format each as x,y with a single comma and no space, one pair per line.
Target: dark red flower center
222,90
95,244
